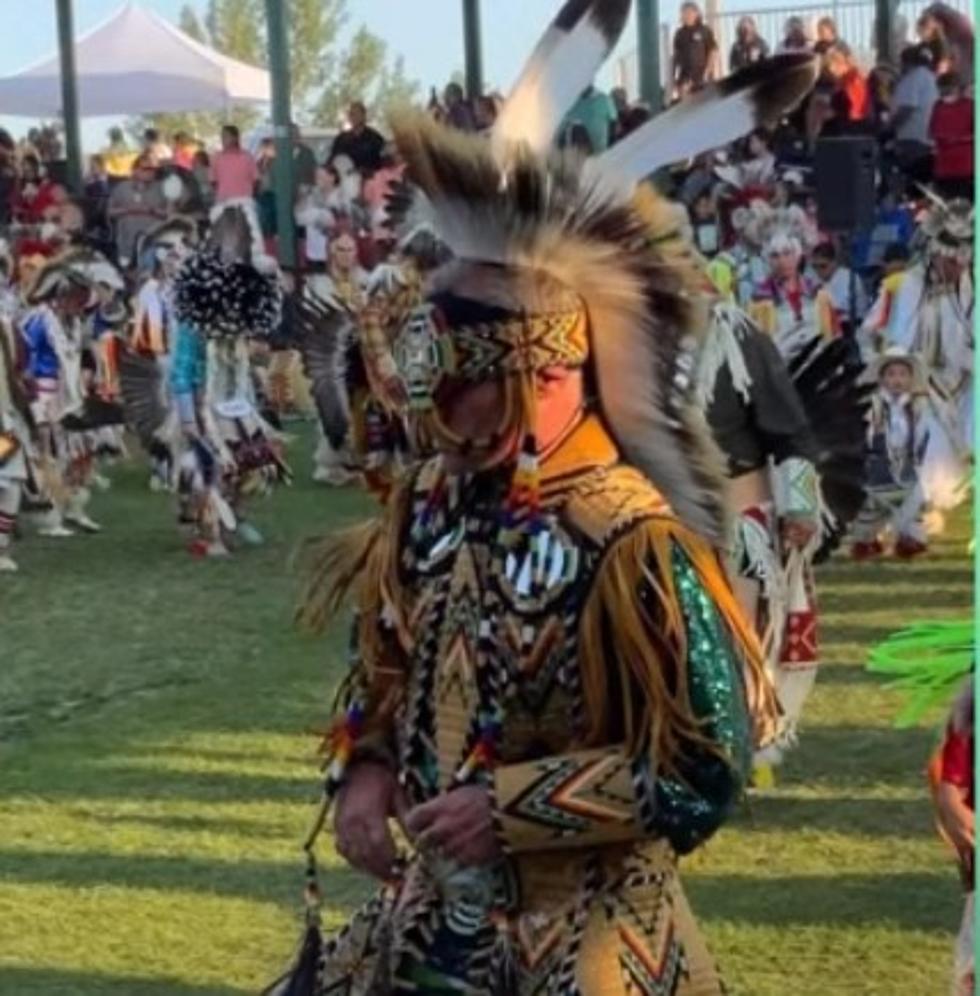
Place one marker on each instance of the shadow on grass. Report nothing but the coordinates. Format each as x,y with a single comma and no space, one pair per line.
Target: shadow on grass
845,673
161,785
838,756
22,981
273,881
939,573
944,596
908,819
850,900
863,634
225,825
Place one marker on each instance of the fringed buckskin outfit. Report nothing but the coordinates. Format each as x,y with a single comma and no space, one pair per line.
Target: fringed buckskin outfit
555,627
550,654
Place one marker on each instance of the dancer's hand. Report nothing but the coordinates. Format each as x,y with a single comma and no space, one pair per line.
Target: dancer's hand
457,825
956,818
369,796
798,532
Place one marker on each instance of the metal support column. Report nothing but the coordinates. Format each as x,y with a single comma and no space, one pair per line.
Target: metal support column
69,94
284,173
648,53
885,32
473,48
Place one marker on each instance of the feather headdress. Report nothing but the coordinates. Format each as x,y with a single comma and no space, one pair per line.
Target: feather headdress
537,216
174,237
58,276
575,265
768,228
947,227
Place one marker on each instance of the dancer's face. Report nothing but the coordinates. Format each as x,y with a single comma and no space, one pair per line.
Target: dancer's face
345,252
896,379
785,262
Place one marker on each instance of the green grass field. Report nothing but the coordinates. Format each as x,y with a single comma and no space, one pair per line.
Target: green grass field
157,775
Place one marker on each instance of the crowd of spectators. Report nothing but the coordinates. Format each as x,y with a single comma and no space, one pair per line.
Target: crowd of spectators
920,115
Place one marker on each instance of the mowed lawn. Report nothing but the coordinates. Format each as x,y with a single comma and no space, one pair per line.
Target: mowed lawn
157,774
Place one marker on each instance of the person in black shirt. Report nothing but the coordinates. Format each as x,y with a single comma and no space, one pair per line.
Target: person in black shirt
360,143
458,112
695,52
749,46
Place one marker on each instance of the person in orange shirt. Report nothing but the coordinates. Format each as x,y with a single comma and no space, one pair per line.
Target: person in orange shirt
840,66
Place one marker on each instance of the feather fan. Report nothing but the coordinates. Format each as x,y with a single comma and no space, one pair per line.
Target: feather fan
565,61
324,334
830,382
139,378
720,113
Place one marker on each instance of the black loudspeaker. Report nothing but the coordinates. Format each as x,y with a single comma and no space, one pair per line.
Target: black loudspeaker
845,170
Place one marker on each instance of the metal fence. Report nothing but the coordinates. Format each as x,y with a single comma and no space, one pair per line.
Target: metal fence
855,21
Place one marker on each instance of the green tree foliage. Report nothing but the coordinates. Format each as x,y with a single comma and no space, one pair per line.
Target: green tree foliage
365,74
314,28
235,28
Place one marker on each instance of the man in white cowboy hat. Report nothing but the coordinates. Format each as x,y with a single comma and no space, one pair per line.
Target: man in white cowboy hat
898,433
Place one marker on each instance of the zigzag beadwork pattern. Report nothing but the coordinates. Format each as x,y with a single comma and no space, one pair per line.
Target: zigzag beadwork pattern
573,793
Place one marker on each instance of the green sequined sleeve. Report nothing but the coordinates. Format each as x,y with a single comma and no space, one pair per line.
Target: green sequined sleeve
690,808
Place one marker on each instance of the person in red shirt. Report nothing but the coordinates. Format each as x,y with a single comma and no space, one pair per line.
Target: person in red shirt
840,67
951,774
34,195
951,130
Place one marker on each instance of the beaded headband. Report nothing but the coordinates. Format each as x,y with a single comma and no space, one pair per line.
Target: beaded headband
429,350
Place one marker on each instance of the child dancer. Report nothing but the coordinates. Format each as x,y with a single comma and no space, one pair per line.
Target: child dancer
898,433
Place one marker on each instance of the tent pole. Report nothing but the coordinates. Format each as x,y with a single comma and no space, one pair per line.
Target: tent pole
473,48
648,54
69,94
277,16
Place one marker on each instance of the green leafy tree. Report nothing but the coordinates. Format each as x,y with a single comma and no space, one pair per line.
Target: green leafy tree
363,74
314,27
235,27
396,89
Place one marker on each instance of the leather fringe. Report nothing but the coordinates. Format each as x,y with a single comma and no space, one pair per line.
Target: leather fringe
359,565
647,643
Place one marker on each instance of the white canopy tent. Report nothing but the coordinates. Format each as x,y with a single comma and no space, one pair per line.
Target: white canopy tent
137,63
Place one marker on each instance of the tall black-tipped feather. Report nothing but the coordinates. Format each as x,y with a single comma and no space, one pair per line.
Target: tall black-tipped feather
715,116
565,61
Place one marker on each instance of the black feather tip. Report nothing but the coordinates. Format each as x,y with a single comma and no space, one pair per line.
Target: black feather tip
609,16
778,84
